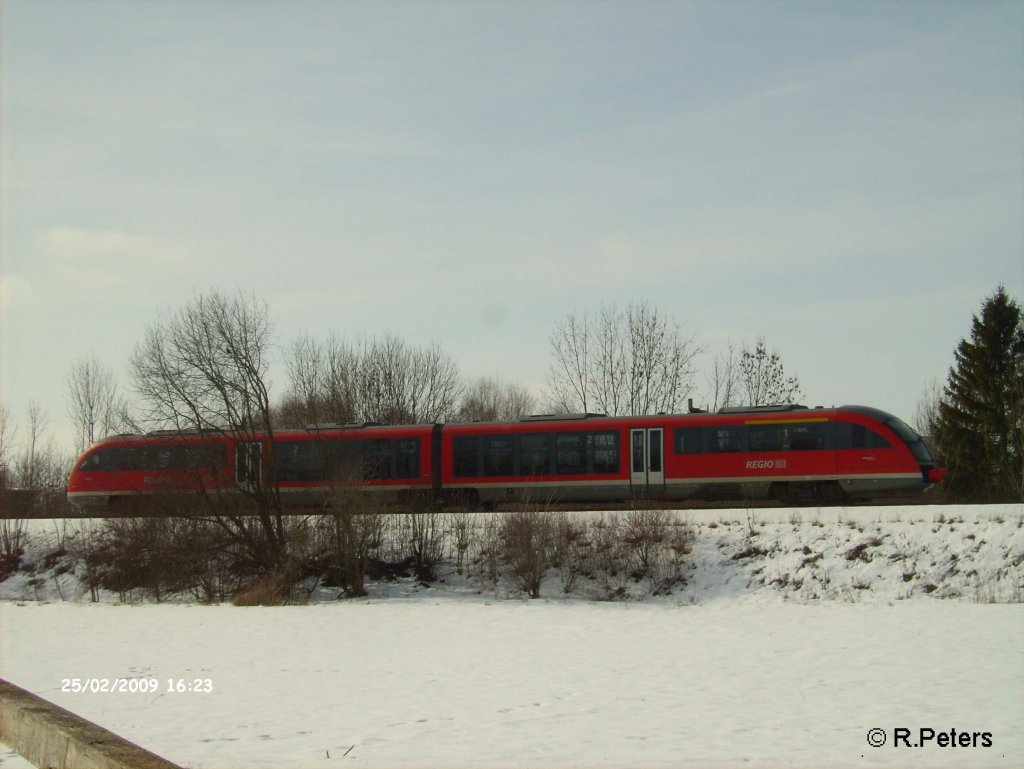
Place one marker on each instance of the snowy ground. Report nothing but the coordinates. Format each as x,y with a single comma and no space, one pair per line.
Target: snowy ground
796,634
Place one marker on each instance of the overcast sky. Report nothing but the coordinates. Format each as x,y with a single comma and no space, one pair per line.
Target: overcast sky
842,178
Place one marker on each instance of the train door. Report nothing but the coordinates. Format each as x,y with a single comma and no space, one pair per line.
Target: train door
647,463
249,465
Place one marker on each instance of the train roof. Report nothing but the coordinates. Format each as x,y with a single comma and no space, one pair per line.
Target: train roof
595,418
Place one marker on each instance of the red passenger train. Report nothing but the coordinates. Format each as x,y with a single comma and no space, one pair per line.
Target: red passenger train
789,453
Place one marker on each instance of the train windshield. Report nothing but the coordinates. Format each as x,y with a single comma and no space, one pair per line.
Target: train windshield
912,439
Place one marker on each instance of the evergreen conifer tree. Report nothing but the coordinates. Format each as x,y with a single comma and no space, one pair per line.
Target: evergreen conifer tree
979,428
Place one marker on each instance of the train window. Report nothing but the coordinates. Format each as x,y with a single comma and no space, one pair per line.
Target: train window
765,437
876,441
654,449
98,460
134,459
725,439
912,439
689,440
407,457
903,430
498,455
853,436
249,464
466,450
604,448
639,446
534,454
806,437
211,455
285,461
376,459
138,459
342,460
91,462
120,458
300,461
570,454
115,458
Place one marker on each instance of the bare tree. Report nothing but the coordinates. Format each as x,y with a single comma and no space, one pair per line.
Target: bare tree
926,413
635,361
12,530
39,472
204,367
609,375
488,400
95,403
569,383
30,464
526,547
306,372
324,382
724,380
355,530
376,380
440,385
401,384
763,378
8,434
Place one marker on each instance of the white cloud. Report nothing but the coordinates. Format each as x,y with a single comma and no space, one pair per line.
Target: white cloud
15,291
106,257
75,242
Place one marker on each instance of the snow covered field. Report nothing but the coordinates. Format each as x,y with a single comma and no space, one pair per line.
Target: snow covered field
768,656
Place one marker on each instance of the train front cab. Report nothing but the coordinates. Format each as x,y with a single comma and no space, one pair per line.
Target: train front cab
880,455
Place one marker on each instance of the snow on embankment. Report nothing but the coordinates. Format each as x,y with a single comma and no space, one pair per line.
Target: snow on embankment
859,554
975,553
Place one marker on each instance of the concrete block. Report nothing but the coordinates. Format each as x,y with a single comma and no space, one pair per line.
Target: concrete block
54,738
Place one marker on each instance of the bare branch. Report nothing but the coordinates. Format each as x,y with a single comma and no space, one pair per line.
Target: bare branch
632,362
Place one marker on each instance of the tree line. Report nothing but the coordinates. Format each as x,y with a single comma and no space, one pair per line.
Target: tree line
205,366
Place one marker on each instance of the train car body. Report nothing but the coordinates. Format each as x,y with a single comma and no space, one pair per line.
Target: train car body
121,470
324,461
306,467
789,453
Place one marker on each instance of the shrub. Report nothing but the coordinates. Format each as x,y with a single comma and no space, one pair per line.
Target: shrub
155,556
355,538
274,589
422,543
570,550
527,543
643,533
13,538
462,531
